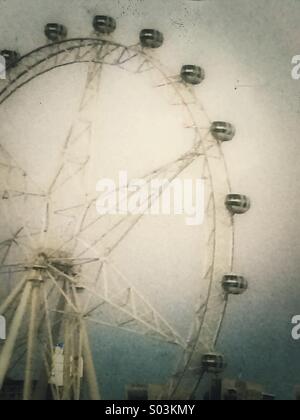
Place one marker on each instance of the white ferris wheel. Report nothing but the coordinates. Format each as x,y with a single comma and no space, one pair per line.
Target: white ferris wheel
58,266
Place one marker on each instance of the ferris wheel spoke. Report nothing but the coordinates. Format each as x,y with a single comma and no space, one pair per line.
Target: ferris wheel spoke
185,161
14,213
80,131
62,212
126,301
13,268
12,194
5,247
135,296
30,239
8,246
60,289
156,197
145,66
75,261
101,271
10,164
73,169
17,242
133,305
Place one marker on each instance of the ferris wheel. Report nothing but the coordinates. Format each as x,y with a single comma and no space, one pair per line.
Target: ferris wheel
57,253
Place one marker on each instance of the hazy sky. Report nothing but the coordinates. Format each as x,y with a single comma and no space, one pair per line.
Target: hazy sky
246,48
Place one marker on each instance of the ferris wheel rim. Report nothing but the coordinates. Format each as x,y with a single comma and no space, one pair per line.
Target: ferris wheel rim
98,41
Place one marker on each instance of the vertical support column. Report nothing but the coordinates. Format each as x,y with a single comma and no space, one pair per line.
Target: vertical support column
12,296
9,345
77,361
89,366
67,351
85,350
53,338
27,393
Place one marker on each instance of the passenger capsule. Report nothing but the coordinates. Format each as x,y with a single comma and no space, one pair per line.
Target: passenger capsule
234,285
192,75
11,58
222,131
237,203
151,38
55,32
104,24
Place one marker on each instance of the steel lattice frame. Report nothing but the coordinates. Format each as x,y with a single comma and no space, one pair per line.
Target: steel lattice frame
132,308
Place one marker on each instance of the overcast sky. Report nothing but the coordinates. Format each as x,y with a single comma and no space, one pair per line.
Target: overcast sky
246,48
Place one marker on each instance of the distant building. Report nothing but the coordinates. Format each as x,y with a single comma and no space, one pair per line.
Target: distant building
236,390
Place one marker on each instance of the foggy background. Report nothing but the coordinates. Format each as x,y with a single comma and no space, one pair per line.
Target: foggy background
246,49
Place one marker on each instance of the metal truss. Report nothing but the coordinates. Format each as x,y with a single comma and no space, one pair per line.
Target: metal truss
78,280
